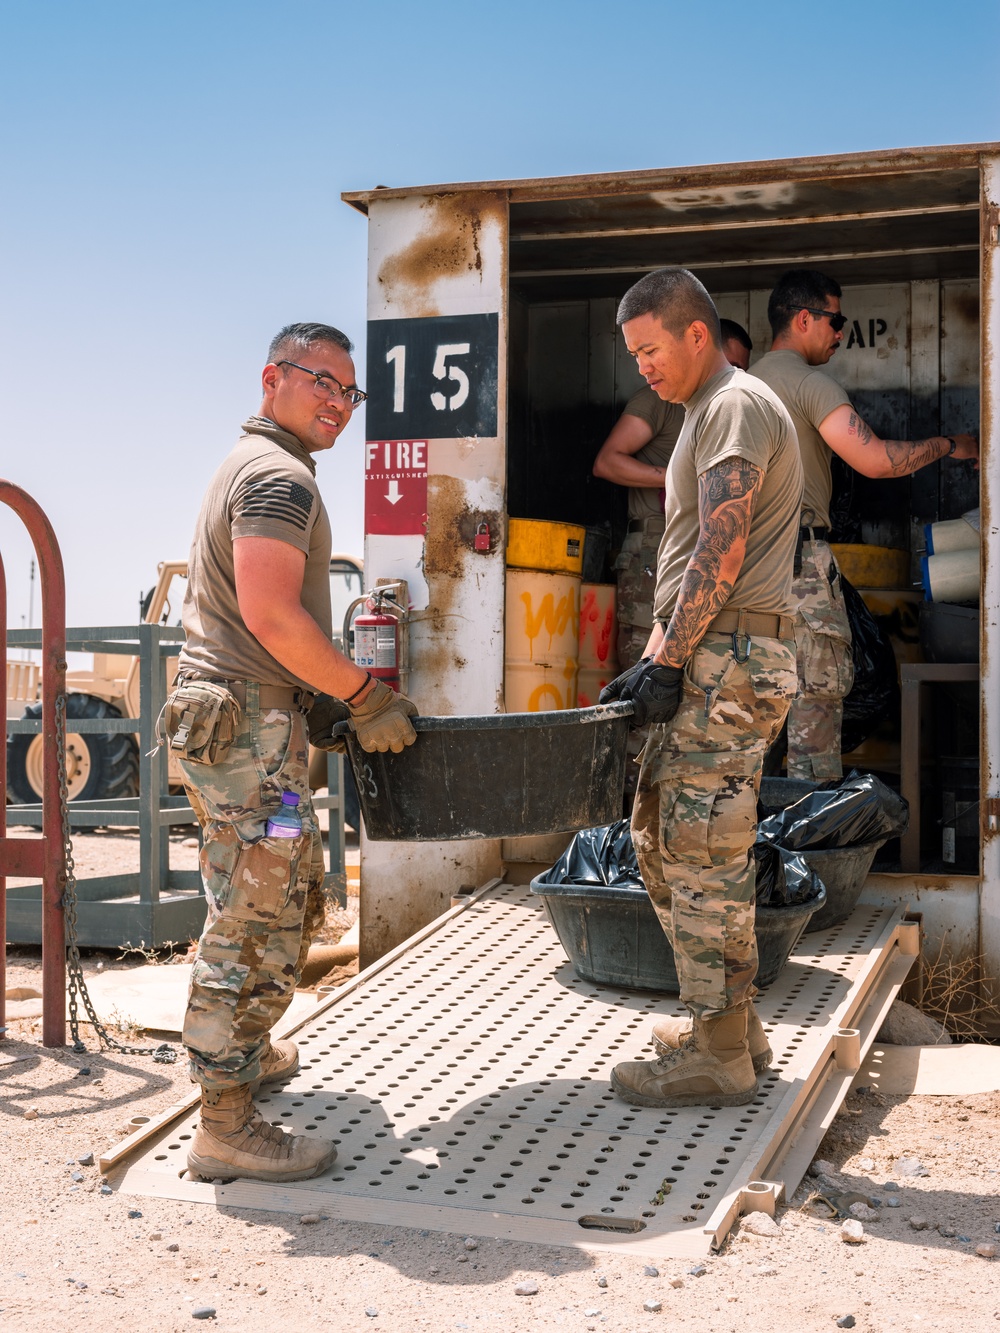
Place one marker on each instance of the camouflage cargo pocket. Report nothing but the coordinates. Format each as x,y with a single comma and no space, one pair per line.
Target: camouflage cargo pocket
262,878
200,720
823,654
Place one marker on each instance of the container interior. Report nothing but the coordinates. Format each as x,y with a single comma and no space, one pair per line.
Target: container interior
904,243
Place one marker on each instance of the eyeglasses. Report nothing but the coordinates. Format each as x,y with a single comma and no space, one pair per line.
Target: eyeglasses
837,320
327,387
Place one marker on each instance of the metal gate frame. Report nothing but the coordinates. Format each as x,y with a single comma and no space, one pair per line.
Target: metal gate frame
154,905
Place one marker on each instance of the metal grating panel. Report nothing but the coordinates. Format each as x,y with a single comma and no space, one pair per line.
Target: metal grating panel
466,1086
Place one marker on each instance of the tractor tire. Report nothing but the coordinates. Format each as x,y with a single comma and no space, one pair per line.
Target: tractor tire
99,766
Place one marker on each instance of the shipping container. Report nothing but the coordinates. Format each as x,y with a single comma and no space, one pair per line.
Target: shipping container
495,372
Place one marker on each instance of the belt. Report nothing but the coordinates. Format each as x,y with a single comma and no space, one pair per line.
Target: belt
287,697
752,622
654,524
807,535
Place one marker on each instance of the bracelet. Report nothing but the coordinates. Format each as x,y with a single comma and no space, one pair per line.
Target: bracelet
954,446
361,688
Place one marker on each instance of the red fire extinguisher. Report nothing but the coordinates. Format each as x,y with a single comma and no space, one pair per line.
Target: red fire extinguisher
377,634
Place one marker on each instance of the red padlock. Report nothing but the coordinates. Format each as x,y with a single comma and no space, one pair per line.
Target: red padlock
482,538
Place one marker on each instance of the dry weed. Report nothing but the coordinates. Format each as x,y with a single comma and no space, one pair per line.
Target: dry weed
959,994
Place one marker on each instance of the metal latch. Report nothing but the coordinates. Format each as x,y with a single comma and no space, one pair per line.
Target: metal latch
991,815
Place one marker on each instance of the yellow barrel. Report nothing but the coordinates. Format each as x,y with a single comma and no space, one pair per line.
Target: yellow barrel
598,640
554,547
873,566
541,654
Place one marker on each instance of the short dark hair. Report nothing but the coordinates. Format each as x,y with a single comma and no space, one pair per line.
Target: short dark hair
295,339
733,332
676,298
796,289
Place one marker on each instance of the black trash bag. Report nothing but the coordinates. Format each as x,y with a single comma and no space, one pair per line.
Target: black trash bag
861,809
606,856
603,855
784,878
875,692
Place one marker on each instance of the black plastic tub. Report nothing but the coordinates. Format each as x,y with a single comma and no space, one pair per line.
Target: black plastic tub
504,776
613,936
843,870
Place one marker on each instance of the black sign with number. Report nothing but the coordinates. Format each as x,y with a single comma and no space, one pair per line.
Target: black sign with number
432,378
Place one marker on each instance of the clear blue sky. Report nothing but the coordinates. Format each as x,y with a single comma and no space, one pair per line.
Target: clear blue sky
172,173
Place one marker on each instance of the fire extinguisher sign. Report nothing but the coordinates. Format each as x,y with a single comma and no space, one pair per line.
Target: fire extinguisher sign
396,486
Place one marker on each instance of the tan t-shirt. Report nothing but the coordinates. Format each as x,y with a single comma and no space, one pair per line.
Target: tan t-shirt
810,395
265,488
665,420
735,415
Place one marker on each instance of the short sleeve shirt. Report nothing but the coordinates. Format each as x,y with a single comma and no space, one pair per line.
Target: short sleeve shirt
665,421
735,415
265,488
810,395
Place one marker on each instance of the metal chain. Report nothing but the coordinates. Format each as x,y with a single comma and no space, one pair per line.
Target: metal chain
77,985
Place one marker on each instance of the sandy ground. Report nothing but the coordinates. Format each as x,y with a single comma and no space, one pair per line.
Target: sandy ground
76,1257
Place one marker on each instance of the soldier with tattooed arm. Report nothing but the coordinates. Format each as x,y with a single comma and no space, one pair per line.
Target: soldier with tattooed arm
714,685
807,326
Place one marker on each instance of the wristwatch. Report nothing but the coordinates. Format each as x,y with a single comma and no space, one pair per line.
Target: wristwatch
954,445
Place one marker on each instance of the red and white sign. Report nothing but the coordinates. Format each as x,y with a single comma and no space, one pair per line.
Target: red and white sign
396,486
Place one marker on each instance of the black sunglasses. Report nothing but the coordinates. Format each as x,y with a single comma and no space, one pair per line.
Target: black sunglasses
837,320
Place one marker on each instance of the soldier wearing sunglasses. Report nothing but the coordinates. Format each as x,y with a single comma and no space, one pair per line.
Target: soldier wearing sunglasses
808,327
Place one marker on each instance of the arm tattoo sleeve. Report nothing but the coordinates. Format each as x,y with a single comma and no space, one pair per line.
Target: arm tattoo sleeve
858,426
905,456
726,496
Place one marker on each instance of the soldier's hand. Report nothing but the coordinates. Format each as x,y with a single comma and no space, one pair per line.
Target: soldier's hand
655,692
966,446
382,720
321,719
612,692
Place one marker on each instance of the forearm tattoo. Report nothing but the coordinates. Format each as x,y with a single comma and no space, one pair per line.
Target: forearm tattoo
905,456
726,496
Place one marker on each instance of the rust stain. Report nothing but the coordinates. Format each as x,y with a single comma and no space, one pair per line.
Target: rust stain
448,246
448,549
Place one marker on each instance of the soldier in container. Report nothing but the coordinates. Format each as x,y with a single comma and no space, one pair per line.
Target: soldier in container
807,327
636,454
714,686
257,617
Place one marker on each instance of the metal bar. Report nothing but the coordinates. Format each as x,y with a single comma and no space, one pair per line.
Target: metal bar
526,237
3,813
834,166
335,836
989,648
101,636
21,857
149,772
53,583
782,261
83,726
909,771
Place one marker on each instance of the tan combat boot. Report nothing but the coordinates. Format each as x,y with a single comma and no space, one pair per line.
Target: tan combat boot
712,1068
234,1142
280,1060
669,1033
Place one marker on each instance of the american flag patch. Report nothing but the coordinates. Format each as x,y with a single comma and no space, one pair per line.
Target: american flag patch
280,499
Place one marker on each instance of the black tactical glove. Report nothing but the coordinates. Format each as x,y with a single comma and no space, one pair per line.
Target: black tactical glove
612,692
321,719
654,691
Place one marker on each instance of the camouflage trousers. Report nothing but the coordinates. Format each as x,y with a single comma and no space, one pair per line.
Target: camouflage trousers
265,895
635,569
695,815
825,667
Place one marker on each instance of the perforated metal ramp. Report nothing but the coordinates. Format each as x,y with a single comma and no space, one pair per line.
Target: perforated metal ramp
465,1080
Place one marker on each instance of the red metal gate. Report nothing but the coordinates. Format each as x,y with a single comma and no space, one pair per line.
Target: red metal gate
44,857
